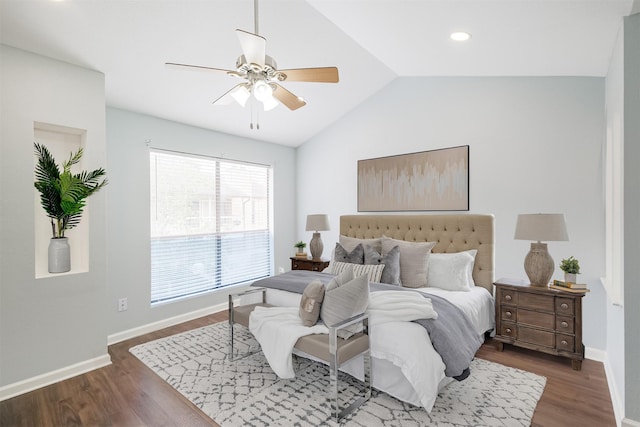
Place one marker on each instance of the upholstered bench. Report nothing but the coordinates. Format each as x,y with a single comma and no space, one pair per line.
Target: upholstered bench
328,348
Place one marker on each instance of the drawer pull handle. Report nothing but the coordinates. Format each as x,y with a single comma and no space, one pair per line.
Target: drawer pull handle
564,324
508,330
564,306
507,297
508,314
564,342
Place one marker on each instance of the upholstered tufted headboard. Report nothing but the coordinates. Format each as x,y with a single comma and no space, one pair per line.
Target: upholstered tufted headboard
454,233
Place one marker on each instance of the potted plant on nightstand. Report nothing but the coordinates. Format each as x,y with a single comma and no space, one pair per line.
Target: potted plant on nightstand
300,253
571,268
63,197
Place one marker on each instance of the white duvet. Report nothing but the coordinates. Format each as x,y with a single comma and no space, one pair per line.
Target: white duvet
404,363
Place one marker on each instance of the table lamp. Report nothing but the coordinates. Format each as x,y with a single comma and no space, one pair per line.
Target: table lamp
538,264
317,223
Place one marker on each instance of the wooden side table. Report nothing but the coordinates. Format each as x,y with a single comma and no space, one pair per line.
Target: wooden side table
540,319
309,264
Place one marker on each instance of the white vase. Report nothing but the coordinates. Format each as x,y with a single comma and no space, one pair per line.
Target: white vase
59,255
570,277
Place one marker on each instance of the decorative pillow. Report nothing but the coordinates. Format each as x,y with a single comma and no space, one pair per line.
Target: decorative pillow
349,243
342,301
373,272
354,256
452,271
414,260
391,261
311,302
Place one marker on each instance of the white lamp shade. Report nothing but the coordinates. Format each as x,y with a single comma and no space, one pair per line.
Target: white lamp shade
541,227
317,222
241,94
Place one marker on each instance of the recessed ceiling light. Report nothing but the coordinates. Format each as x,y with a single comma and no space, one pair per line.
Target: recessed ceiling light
460,36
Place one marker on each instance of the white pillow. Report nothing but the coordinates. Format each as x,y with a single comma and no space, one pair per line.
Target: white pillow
373,271
452,271
414,260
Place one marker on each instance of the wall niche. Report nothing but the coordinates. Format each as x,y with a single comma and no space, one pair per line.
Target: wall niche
61,141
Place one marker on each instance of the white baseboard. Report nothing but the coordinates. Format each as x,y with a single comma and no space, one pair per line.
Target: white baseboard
616,400
630,423
164,323
30,384
595,354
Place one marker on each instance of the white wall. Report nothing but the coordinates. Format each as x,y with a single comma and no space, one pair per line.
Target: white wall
614,105
632,215
536,145
128,209
49,323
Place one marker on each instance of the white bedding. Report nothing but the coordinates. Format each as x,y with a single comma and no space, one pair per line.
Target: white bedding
404,363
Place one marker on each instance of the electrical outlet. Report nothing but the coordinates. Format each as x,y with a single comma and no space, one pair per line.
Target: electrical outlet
280,270
122,304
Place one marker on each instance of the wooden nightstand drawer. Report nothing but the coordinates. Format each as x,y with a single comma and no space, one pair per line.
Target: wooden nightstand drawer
565,324
565,342
508,297
309,264
508,330
509,313
535,301
536,318
536,336
564,306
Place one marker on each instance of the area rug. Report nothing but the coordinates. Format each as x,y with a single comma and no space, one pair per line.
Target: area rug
246,392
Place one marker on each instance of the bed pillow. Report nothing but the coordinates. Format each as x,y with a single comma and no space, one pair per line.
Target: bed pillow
373,272
452,271
354,256
349,243
414,260
342,301
390,260
311,302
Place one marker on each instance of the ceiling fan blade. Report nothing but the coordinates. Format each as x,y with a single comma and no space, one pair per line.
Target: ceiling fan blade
318,75
287,98
254,47
198,68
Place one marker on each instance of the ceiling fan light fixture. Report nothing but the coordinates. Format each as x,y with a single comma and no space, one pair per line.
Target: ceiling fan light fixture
460,36
241,95
270,103
262,90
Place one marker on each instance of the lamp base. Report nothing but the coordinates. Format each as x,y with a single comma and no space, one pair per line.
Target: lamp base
539,265
315,246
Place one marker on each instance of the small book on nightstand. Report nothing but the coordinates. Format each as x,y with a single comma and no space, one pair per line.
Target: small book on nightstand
570,285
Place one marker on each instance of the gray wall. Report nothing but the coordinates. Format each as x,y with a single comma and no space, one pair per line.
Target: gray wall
632,215
536,145
56,322
128,209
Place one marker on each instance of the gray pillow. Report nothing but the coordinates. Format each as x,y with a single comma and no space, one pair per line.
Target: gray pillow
356,256
349,243
311,302
391,261
414,260
342,301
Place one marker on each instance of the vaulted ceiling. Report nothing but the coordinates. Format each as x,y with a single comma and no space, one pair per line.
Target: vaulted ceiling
371,42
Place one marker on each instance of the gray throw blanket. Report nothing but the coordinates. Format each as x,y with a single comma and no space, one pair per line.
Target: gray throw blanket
452,334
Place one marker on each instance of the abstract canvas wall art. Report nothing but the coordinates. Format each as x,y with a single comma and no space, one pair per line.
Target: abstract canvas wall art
436,180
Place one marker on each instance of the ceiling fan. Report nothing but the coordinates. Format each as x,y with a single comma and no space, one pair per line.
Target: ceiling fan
261,76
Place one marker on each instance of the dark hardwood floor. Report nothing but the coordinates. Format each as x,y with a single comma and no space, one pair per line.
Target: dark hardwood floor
127,393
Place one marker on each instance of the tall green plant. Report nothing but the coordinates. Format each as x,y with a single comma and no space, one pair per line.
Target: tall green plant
63,195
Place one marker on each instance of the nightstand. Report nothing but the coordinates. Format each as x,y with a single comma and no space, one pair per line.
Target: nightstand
539,318
309,264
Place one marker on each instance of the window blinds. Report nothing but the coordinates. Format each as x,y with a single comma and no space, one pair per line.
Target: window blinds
210,224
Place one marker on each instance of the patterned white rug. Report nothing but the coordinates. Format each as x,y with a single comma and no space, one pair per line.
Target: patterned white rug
246,392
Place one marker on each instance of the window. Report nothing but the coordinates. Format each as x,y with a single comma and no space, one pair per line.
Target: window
210,224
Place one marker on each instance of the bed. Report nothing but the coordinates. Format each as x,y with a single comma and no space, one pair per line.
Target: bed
405,363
